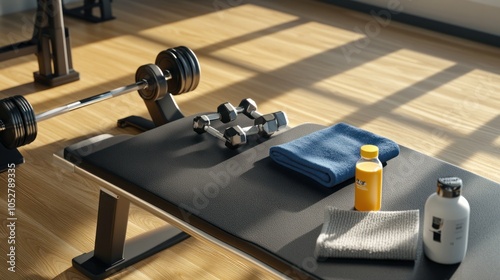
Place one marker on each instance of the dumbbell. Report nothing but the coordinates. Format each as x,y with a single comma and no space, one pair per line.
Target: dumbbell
229,113
176,71
202,124
269,124
226,113
264,126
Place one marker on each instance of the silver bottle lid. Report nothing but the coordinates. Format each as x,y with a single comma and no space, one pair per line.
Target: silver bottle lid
449,187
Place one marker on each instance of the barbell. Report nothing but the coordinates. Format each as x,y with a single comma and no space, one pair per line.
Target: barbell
176,70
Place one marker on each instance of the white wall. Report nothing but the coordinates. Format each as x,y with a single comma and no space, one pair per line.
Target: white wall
14,6
481,15
7,7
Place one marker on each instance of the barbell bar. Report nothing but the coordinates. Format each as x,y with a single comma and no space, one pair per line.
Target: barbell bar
176,70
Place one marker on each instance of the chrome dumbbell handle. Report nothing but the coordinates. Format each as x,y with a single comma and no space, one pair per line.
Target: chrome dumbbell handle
214,132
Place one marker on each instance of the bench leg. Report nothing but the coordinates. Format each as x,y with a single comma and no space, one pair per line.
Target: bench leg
111,251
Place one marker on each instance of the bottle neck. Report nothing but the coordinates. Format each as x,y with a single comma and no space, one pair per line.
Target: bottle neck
370,158
449,198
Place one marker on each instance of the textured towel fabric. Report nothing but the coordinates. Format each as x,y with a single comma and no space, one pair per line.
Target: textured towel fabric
369,235
329,155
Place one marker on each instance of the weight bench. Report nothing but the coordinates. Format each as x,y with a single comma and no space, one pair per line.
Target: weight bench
243,201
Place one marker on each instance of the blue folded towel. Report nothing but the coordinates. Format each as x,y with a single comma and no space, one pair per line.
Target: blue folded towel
329,155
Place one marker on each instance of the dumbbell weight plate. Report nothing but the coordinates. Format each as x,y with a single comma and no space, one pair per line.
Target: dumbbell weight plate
157,84
28,116
13,122
23,118
186,68
33,122
194,67
167,60
19,125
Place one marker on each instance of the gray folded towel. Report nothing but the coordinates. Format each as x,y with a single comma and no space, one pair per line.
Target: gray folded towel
368,235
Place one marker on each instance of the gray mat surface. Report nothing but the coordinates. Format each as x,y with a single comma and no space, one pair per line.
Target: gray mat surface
245,199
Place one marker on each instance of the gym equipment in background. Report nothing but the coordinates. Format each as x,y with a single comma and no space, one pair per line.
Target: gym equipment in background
176,71
50,43
86,11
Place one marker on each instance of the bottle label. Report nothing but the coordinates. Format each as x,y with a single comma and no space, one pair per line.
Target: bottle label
448,232
368,186
361,185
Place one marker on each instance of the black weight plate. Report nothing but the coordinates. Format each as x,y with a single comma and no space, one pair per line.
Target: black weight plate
8,136
188,76
189,68
180,71
32,123
15,126
22,112
165,60
11,117
29,118
157,84
19,124
195,67
168,61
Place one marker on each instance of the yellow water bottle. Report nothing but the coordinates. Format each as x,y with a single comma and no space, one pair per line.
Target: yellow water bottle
368,180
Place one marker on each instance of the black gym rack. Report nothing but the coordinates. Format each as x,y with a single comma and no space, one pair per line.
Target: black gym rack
86,11
50,43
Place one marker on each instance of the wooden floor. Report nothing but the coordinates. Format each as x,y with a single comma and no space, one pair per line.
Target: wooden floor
436,94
